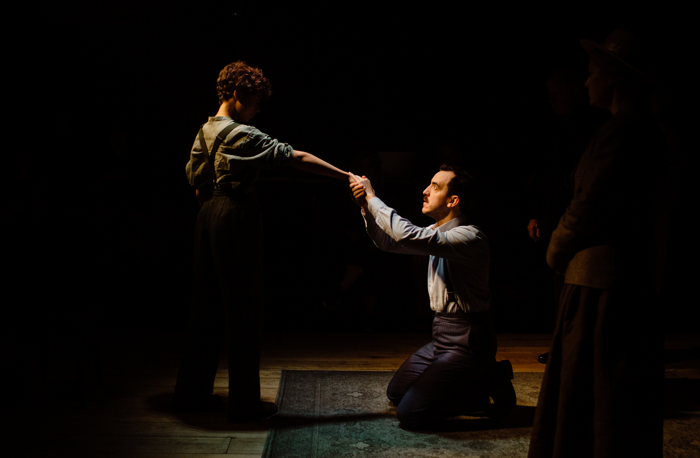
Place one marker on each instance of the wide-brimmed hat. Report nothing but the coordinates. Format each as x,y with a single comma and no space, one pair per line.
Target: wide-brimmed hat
628,49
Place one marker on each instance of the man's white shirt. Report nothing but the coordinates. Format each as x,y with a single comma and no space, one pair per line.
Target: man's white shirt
455,248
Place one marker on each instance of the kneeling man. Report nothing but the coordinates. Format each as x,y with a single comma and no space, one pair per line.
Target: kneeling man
455,373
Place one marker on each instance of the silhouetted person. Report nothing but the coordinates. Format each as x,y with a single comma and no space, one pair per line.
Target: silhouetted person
228,257
550,187
601,392
455,373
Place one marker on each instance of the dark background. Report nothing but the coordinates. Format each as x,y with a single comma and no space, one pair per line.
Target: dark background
102,236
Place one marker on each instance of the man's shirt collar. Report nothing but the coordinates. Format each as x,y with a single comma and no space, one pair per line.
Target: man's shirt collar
461,220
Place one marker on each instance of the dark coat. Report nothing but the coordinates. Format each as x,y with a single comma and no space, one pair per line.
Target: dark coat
607,235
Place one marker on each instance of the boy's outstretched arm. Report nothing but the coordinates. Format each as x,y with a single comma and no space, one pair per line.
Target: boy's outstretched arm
309,163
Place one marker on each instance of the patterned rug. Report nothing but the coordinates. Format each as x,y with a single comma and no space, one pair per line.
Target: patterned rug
347,414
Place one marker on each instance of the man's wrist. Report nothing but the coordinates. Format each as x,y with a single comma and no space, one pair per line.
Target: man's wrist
367,198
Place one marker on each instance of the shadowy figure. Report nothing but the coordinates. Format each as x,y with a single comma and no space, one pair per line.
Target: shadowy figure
601,393
455,373
356,296
228,257
550,187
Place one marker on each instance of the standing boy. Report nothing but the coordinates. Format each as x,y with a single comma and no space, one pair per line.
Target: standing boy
225,160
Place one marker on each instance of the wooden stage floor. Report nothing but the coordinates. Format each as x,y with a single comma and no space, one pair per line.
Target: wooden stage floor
128,415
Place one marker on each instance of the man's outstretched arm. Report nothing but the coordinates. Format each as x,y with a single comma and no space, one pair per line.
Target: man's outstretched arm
392,232
362,190
381,240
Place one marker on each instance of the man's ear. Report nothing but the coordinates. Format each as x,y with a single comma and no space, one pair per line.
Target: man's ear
453,201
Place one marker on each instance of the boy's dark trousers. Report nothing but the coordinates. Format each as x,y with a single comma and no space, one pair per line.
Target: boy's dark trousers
227,299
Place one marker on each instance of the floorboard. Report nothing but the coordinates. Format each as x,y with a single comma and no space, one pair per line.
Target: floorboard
128,415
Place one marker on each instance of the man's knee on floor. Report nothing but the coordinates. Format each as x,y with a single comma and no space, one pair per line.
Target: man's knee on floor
411,418
394,395
394,400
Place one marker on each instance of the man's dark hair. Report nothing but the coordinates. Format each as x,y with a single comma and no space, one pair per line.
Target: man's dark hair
462,185
241,76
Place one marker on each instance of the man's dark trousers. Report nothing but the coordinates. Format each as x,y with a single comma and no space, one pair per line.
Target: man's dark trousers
446,376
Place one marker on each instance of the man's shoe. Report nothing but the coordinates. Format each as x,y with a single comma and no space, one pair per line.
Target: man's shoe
502,391
543,358
260,412
476,406
208,403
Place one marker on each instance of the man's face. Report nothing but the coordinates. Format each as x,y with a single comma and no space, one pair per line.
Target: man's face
247,106
435,198
599,85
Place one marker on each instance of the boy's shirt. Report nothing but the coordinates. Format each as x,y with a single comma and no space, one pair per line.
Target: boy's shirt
241,155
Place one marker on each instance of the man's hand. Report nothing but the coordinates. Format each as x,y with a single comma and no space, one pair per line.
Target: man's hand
358,192
362,190
359,195
366,184
533,228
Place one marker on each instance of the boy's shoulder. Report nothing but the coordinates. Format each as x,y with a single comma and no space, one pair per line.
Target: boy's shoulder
240,133
216,124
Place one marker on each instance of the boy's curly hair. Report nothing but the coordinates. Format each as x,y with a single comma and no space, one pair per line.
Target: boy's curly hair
241,76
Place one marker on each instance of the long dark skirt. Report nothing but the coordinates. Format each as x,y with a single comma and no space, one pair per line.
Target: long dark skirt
602,389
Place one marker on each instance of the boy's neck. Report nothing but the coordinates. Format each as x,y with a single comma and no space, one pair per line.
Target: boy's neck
224,110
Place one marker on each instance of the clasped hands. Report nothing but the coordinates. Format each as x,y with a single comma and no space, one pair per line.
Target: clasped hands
362,189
